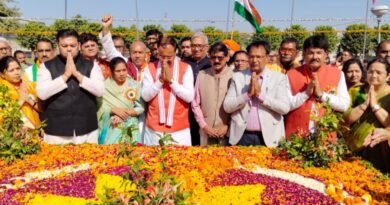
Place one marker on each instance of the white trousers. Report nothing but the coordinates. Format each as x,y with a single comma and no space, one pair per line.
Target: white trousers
181,137
91,138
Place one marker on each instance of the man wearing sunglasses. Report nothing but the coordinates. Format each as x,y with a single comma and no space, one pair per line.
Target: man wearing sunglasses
210,90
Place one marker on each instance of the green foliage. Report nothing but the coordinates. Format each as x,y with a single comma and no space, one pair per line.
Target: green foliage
297,31
77,23
179,31
270,34
213,34
8,24
330,33
353,39
16,141
31,32
163,189
318,148
129,34
385,32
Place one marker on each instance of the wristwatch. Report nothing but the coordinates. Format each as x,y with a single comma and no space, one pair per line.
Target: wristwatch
171,81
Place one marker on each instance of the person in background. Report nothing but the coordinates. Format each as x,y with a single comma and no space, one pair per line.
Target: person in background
21,90
44,51
136,63
208,103
5,47
68,86
185,48
370,114
119,44
240,60
233,47
257,100
153,38
168,89
288,51
121,105
89,50
383,50
20,56
198,62
355,76
273,62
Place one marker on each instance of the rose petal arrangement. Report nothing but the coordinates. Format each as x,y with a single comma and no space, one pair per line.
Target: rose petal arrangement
79,174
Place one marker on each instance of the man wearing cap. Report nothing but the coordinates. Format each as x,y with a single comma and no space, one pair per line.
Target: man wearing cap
233,47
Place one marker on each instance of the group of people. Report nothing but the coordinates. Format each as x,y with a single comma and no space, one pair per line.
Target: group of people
205,94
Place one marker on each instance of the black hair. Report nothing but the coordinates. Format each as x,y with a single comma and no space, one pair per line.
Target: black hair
237,53
316,41
85,37
46,40
257,44
66,33
5,61
187,38
359,63
218,47
17,52
380,60
290,40
114,62
168,41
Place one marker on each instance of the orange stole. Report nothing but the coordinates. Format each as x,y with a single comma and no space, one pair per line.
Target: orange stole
180,114
298,119
104,65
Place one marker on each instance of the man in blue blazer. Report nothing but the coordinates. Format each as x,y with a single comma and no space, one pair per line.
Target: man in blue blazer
257,100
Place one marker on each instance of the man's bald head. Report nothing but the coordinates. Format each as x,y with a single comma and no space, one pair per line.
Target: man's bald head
138,53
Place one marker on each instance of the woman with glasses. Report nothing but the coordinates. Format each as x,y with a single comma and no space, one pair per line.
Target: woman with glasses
370,114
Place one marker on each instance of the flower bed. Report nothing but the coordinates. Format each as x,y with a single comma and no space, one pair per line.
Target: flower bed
215,175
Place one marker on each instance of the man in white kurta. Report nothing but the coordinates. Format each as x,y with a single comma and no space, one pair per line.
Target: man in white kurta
68,86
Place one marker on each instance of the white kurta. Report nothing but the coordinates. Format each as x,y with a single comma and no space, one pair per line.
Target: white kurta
47,87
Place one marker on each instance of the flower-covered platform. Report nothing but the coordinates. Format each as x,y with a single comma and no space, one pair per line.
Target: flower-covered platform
214,175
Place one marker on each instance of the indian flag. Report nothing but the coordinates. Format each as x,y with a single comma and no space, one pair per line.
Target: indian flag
246,9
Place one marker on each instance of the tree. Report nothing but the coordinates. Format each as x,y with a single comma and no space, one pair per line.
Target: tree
298,32
385,32
30,33
5,11
330,33
77,23
179,31
129,34
353,39
213,34
270,34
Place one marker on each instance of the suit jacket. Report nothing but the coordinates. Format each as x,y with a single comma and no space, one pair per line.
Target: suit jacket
276,104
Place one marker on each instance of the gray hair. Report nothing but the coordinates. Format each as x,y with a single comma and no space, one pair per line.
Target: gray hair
202,35
4,40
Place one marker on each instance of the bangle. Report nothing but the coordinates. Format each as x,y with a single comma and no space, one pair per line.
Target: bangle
375,108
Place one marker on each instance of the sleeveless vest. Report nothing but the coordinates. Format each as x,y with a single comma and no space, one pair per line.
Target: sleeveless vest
298,119
73,109
180,114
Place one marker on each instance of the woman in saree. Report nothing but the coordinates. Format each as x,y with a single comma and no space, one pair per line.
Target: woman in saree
21,90
120,106
372,113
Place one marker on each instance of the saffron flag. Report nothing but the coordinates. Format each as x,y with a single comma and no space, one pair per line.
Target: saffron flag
246,9
373,1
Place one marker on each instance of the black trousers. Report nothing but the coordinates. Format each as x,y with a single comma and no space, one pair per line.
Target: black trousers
251,138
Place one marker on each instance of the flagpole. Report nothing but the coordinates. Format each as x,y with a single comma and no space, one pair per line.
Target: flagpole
233,24
292,13
365,33
137,19
227,20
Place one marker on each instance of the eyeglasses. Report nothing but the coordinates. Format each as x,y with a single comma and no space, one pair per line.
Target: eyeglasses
198,46
220,58
4,48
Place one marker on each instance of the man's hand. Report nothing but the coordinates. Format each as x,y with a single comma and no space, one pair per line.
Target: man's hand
317,89
106,24
69,67
166,74
222,130
210,131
